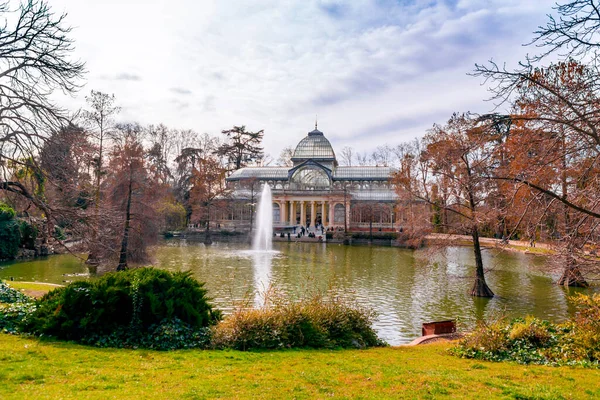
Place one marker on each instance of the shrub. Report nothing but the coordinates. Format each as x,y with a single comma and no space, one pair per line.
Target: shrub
29,233
59,233
10,235
318,322
137,299
16,308
530,330
531,340
10,295
581,340
7,213
167,335
14,315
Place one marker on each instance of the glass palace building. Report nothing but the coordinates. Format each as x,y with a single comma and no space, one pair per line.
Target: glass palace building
315,190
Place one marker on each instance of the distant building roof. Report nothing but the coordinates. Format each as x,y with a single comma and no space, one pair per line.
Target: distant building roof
261,173
363,173
339,173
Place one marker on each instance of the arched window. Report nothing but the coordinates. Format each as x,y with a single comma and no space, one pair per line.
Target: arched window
310,178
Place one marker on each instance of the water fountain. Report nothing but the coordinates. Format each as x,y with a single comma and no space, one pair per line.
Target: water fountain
262,253
263,236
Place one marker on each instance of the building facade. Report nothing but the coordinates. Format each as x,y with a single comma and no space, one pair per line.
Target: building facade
315,190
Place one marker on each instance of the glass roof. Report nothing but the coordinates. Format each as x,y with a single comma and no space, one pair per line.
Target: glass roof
379,195
260,173
315,145
339,173
363,173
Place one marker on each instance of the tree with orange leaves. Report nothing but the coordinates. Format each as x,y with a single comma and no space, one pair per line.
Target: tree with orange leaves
131,221
457,154
208,190
553,148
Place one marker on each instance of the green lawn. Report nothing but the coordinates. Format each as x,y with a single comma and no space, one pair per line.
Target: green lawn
53,370
33,289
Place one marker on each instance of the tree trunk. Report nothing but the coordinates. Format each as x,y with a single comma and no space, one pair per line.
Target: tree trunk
572,275
207,239
480,287
124,243
92,256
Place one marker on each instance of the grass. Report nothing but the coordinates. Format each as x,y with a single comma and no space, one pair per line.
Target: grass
33,289
31,368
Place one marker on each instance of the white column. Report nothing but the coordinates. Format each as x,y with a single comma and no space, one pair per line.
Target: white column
292,212
303,213
323,213
312,213
283,208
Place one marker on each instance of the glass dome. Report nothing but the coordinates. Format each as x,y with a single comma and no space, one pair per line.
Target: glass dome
314,146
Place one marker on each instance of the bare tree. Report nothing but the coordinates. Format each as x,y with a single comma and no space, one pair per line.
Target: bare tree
35,61
362,159
346,156
457,153
574,34
382,156
285,157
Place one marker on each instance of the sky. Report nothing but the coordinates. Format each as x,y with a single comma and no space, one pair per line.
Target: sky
374,71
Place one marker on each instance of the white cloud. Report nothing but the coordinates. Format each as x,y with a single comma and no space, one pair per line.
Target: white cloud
375,71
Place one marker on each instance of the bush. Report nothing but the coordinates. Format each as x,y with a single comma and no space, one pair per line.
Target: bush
167,335
16,308
13,316
7,213
29,233
317,323
59,233
10,238
137,299
531,340
10,295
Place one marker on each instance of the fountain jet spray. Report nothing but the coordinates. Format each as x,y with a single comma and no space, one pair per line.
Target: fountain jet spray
263,236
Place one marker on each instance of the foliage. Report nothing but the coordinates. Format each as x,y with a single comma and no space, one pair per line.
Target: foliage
14,315
170,334
10,235
208,189
10,295
174,215
132,193
29,233
241,147
138,299
317,322
59,233
15,307
532,341
7,213
10,238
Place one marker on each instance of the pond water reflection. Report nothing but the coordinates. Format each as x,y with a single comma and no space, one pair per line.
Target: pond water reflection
405,287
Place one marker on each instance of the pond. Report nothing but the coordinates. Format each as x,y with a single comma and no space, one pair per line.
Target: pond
405,287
